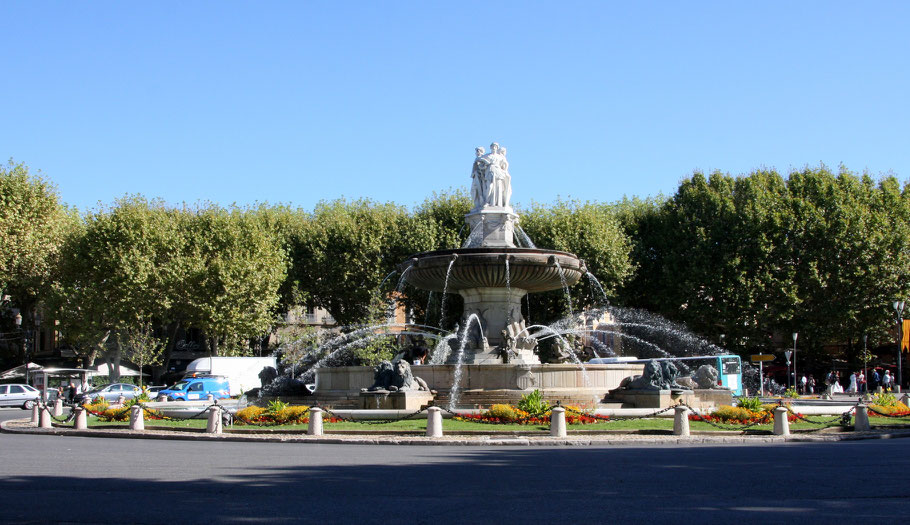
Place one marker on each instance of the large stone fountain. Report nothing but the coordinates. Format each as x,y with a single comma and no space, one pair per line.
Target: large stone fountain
493,356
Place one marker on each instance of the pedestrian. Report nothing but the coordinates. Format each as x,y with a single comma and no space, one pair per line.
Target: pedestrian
811,384
886,381
861,381
852,388
803,383
874,380
70,392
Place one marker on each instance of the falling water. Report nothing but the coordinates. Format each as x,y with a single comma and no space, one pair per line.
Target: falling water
393,301
524,237
445,290
456,382
565,286
595,284
426,317
474,239
566,344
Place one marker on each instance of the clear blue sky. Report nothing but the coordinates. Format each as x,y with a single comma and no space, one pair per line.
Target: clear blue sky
238,102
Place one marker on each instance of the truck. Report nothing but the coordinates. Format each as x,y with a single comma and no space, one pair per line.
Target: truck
242,373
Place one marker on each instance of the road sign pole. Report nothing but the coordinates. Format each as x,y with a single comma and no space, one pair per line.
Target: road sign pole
761,379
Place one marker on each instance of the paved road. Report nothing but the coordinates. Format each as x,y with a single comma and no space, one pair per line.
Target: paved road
88,480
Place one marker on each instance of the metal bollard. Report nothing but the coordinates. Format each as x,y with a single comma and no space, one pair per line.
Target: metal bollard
45,417
681,421
861,424
58,407
314,428
36,409
781,424
81,419
214,425
434,422
558,422
137,418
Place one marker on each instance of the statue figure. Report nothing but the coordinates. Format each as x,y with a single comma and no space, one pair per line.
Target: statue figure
670,373
395,377
492,184
652,377
478,184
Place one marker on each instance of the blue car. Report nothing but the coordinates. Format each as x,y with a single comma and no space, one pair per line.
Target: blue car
197,388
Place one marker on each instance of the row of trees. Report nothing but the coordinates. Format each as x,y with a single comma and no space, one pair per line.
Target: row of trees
815,252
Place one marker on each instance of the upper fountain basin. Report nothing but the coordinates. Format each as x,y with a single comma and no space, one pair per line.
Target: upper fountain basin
530,269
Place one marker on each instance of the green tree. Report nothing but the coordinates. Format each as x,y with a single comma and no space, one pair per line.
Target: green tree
593,233
143,348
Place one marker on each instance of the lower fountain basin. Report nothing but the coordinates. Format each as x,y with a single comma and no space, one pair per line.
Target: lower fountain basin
485,385
530,269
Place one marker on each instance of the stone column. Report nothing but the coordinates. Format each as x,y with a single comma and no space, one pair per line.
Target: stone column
314,428
681,421
210,397
121,400
36,410
434,422
45,417
81,419
558,422
214,425
162,398
861,424
58,407
137,418
781,424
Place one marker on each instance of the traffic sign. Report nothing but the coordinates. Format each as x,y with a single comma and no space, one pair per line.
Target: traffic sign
762,357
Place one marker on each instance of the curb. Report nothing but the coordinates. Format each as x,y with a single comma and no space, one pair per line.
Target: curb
23,426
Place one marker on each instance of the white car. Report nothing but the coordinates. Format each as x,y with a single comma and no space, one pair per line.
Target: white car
24,396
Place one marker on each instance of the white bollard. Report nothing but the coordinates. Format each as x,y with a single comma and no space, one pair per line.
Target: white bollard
81,419
214,425
121,400
781,424
434,422
36,409
681,421
861,424
45,417
314,427
558,422
137,418
58,407
210,397
162,398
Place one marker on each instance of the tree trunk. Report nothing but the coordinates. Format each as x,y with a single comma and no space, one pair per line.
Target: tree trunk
172,330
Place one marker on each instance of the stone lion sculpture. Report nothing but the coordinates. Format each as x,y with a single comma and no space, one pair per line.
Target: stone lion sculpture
670,373
394,377
652,378
706,377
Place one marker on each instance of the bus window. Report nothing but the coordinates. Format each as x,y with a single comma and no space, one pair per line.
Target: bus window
730,365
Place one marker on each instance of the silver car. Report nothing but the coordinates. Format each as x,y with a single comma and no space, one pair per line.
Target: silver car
23,396
110,392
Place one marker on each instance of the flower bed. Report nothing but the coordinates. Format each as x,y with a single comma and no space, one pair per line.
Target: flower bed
277,414
731,415
510,414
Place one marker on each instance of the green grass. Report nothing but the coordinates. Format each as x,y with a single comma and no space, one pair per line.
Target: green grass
450,425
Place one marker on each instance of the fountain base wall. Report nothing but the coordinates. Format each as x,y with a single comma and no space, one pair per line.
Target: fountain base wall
485,384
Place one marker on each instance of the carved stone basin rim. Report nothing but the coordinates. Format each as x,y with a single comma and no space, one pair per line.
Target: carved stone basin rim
530,269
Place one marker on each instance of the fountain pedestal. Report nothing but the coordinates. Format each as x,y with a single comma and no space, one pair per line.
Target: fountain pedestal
400,400
499,312
492,226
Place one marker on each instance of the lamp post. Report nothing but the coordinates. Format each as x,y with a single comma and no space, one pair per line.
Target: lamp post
865,363
899,314
24,344
795,378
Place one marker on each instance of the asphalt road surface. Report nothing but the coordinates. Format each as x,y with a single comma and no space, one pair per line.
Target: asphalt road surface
100,480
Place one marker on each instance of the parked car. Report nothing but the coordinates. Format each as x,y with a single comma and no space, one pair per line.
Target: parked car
17,395
154,390
110,393
194,388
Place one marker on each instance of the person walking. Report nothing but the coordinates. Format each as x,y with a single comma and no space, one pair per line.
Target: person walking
886,381
811,384
874,381
852,388
861,382
803,383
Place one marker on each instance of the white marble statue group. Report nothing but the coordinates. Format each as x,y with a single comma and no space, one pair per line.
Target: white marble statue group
492,184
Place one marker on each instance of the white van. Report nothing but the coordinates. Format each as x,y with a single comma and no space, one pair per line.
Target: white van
242,373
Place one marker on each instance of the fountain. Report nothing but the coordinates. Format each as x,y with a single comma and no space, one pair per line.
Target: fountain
492,358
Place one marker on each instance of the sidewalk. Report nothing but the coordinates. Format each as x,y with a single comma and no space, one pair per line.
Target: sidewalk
24,426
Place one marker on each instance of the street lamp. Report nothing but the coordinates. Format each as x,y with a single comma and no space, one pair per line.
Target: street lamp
24,344
865,363
899,313
795,379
